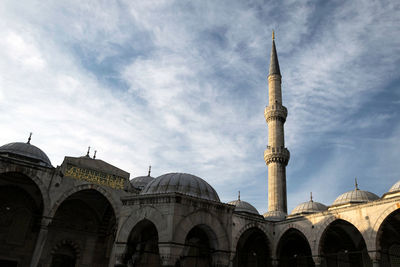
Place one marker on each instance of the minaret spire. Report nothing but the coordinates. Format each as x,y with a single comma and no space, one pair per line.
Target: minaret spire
274,63
276,156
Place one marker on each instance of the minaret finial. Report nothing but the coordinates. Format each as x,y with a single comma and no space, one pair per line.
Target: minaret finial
88,151
311,196
149,171
239,195
356,184
94,156
273,35
29,138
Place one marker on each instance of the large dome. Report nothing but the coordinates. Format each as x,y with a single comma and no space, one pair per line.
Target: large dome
243,206
26,151
181,183
308,208
355,196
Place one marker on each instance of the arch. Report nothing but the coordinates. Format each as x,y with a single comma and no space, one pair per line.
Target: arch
331,219
114,204
85,217
199,247
142,247
71,243
248,226
378,223
293,249
201,217
148,212
36,180
388,238
341,241
297,227
253,248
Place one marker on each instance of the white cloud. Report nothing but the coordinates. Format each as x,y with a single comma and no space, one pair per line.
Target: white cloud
195,75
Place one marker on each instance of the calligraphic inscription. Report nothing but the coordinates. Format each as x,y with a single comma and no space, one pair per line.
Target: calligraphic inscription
95,177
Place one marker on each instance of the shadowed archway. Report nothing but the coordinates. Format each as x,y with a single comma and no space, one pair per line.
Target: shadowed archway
200,245
87,219
294,250
388,240
21,209
253,249
142,247
343,245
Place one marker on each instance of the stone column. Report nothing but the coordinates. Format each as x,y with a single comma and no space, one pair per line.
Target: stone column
375,258
117,255
169,254
40,242
317,261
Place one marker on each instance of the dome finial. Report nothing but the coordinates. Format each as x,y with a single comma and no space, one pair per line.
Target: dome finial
88,151
29,138
239,195
311,197
273,35
94,156
356,184
148,174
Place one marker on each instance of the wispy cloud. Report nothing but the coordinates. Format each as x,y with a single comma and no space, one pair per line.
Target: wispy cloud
182,86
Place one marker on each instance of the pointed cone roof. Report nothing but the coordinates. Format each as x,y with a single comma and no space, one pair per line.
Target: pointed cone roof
274,63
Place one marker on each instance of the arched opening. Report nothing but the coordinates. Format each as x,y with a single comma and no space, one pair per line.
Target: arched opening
21,208
88,220
294,250
142,248
200,244
252,249
65,256
343,245
388,240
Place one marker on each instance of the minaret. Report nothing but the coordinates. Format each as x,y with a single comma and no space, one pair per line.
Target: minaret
276,156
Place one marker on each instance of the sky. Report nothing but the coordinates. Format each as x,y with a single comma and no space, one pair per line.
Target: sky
182,86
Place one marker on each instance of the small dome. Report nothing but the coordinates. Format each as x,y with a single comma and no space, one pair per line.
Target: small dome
395,187
26,151
243,206
140,182
181,183
308,207
355,196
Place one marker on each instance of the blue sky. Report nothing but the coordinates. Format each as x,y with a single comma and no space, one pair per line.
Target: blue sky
182,85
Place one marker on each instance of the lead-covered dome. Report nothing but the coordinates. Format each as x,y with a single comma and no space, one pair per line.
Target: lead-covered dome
25,151
394,191
395,187
184,183
140,182
308,208
243,206
355,196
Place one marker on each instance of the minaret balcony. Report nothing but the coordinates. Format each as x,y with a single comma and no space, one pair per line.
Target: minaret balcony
276,154
275,112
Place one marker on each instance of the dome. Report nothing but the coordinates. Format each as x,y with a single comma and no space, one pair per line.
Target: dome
141,181
243,206
181,183
395,187
26,151
355,196
308,207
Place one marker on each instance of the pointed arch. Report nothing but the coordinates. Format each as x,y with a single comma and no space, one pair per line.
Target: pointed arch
36,180
114,203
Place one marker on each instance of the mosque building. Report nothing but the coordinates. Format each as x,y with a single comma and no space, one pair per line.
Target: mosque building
87,213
